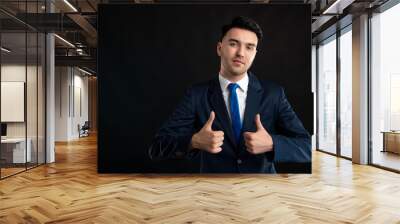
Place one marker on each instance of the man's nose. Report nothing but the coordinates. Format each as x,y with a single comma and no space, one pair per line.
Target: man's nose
240,51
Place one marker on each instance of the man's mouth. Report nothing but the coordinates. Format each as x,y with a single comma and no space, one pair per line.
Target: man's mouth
238,62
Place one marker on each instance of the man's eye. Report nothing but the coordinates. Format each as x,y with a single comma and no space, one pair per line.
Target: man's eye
250,48
232,44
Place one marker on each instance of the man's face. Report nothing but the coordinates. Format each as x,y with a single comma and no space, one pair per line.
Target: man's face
237,51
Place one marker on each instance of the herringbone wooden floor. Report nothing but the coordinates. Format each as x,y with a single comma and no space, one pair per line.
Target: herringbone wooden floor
71,191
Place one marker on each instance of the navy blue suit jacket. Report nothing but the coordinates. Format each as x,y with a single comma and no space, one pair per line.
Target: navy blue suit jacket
292,143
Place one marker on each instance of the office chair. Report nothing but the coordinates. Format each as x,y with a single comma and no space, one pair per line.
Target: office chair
84,130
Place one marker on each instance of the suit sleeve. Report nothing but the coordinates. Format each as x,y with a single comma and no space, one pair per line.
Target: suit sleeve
173,138
293,143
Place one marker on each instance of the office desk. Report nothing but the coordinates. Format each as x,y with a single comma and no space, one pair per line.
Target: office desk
391,141
13,150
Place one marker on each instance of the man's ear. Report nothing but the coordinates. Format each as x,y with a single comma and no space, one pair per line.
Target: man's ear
219,48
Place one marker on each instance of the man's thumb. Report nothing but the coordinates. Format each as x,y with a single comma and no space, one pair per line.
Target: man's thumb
210,121
258,123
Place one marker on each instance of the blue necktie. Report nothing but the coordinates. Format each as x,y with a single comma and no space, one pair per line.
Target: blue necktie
234,108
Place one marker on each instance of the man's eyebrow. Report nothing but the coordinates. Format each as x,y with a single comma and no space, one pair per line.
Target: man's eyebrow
237,41
234,40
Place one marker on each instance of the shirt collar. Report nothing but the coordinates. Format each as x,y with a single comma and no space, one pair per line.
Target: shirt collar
243,83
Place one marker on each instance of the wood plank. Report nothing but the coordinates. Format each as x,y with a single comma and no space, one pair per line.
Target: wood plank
71,191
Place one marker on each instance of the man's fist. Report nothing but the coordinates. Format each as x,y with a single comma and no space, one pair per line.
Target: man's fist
207,139
259,141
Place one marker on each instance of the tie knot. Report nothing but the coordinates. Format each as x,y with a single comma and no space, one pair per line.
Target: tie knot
233,87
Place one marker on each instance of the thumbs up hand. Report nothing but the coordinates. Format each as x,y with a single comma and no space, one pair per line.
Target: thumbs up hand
207,139
259,141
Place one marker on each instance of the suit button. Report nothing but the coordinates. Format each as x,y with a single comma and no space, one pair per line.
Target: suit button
239,161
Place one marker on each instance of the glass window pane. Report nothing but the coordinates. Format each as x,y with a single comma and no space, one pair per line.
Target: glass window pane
23,88
345,94
14,152
327,96
385,87
41,98
31,101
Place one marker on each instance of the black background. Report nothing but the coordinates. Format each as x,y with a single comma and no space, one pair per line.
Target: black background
149,54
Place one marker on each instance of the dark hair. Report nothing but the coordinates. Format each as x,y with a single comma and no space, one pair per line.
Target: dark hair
243,23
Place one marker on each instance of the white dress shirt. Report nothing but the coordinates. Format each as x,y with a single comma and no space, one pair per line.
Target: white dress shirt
241,93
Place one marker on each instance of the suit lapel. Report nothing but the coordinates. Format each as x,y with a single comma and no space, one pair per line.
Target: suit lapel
253,102
218,104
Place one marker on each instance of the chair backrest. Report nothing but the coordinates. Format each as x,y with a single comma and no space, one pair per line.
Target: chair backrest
86,125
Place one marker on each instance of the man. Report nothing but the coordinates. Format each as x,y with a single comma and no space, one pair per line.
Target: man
235,123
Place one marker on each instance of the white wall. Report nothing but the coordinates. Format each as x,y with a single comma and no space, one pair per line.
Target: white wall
61,103
71,102
80,110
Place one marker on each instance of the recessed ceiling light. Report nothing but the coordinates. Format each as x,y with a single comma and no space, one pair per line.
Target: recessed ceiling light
70,5
64,40
337,7
5,50
84,71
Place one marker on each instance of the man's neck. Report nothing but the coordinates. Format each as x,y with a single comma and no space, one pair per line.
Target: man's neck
233,78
